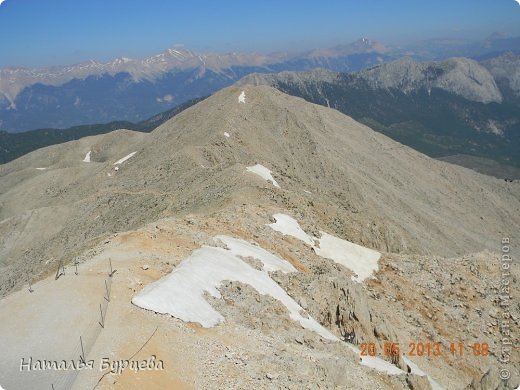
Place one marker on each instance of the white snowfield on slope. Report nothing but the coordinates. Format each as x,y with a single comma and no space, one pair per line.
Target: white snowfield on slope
264,173
181,293
360,260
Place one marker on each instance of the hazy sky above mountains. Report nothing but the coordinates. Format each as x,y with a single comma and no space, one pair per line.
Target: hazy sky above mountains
52,32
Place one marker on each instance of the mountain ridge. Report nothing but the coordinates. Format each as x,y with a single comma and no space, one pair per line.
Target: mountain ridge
191,157
14,145
439,108
381,243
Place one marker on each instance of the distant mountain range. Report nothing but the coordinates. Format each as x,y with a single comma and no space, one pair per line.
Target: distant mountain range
134,89
442,48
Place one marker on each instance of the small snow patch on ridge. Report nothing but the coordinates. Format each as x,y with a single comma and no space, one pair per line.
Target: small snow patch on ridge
245,249
264,173
362,261
124,158
87,157
40,169
289,226
242,97
226,134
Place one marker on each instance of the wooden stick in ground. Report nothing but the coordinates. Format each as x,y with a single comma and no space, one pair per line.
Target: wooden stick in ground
102,322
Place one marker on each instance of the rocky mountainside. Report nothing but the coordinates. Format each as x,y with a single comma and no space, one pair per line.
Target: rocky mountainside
439,108
358,239
460,76
14,145
506,72
188,163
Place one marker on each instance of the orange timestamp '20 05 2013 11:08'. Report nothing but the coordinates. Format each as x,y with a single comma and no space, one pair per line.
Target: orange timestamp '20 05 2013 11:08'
426,349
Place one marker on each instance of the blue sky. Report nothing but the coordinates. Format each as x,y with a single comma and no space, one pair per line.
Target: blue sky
52,32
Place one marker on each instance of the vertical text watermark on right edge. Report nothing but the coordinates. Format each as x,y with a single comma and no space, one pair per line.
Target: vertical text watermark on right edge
505,323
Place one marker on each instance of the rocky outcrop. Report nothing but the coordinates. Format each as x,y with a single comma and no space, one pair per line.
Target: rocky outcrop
506,69
461,76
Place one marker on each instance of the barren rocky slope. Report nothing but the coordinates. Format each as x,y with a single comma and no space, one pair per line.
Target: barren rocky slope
506,71
189,180
365,187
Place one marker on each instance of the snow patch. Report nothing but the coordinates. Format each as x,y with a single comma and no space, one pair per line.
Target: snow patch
125,158
264,173
87,157
181,294
363,261
242,97
245,249
289,226
376,363
226,134
382,365
307,192
41,169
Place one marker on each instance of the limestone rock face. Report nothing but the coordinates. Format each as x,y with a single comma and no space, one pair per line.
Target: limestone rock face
506,68
460,76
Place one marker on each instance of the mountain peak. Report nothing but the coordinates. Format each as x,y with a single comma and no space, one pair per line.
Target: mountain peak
363,45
